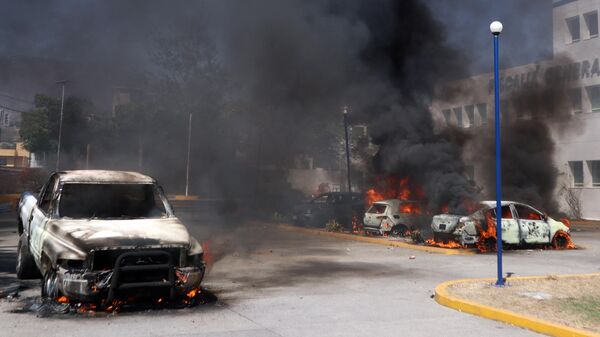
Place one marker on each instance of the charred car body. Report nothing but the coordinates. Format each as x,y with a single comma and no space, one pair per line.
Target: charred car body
393,216
521,225
338,206
96,235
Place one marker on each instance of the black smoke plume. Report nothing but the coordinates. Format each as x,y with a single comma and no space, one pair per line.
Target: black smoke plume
532,117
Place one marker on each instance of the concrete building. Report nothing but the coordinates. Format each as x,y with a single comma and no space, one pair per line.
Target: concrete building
14,155
575,63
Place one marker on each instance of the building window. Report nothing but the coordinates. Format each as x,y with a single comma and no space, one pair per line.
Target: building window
575,97
594,96
470,110
447,116
458,114
573,26
591,21
482,109
576,173
594,166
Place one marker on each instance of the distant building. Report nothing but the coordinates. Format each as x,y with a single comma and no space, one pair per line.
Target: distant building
575,28
14,155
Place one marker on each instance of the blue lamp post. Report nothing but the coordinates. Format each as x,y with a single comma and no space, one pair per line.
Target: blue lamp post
496,28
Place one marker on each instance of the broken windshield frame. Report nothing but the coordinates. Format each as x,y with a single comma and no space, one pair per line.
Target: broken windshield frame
377,209
112,201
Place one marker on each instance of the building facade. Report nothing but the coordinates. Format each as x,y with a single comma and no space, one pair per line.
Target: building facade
576,66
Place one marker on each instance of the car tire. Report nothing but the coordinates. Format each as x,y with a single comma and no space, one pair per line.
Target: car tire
489,244
26,268
398,231
50,285
561,241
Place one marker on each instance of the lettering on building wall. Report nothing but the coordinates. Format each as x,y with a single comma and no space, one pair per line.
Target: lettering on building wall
557,73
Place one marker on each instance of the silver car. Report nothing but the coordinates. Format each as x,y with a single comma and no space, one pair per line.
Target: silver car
393,216
521,225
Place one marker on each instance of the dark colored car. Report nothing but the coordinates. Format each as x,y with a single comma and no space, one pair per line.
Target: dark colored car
339,206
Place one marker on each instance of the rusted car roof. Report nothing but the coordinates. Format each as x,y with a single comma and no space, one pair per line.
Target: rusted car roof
102,176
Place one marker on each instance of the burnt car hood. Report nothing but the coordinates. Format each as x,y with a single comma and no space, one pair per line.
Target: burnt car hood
101,234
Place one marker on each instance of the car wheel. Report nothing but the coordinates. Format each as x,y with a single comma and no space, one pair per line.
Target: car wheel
489,245
50,285
561,240
26,268
399,231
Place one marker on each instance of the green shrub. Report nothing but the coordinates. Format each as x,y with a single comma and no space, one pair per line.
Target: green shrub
333,226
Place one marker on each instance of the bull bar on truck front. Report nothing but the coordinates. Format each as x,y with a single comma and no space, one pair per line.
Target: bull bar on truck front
116,283
89,285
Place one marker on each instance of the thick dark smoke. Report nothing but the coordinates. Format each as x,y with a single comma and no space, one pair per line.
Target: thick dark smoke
265,81
410,53
532,117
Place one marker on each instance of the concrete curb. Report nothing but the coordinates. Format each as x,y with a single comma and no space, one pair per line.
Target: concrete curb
378,241
524,321
177,197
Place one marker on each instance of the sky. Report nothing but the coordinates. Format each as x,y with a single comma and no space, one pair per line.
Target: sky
101,31
526,37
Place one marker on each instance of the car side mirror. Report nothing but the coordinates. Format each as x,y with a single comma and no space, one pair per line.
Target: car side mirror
545,217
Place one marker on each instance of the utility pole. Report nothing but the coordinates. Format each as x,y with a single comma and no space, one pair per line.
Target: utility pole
62,104
189,147
87,156
347,148
496,28
140,153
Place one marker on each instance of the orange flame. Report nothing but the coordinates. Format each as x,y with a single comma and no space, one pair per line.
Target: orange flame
486,235
192,293
562,234
449,244
62,299
410,208
393,188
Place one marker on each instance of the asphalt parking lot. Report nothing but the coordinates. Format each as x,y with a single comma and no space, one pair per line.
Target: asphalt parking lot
270,282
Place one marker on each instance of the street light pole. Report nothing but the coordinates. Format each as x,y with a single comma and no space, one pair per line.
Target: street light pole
62,104
187,165
347,148
496,29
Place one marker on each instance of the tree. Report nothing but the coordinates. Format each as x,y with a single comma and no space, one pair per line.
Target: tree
35,131
40,126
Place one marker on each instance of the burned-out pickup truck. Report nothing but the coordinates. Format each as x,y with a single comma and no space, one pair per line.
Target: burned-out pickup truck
96,236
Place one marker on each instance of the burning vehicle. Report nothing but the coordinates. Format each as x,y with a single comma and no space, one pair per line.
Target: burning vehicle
96,236
522,225
392,217
339,206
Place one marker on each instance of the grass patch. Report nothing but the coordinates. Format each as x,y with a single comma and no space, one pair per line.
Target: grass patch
587,308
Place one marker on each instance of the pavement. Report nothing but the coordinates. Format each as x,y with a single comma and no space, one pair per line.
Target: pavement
270,282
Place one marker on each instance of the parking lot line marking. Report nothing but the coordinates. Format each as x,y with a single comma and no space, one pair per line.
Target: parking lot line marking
552,329
379,241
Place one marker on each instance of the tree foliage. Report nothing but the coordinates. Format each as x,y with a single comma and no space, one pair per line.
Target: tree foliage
40,126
